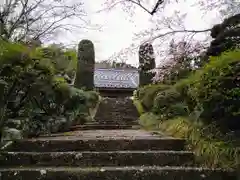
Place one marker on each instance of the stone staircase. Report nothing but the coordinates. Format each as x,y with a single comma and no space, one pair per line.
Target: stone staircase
117,111
104,154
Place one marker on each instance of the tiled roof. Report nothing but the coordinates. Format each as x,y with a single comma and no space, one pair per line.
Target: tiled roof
116,78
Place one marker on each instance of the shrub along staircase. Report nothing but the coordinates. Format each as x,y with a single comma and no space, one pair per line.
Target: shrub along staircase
104,154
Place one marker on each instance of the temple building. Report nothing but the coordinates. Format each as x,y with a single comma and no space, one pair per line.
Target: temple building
116,82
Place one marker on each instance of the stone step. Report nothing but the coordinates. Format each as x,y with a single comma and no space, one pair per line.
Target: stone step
116,173
102,126
116,111
117,123
70,143
117,120
86,158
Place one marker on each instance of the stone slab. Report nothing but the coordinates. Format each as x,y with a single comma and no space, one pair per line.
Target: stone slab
90,159
65,144
115,173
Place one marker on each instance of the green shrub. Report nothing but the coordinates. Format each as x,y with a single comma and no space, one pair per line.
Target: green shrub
217,90
92,98
169,104
63,59
147,94
138,106
185,88
149,120
75,99
33,92
214,91
177,109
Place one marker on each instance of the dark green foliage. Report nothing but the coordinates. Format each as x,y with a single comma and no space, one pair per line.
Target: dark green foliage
33,93
64,60
147,94
214,91
85,65
73,97
177,109
169,103
84,114
184,87
165,98
20,76
146,63
226,36
211,94
217,90
92,98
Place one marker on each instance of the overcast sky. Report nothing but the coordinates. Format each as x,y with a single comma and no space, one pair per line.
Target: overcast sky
118,27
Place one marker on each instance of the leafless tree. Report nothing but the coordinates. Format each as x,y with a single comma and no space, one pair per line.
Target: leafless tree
37,19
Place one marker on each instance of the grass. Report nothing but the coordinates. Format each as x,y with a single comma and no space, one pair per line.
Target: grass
149,121
138,105
93,111
210,148
70,133
210,151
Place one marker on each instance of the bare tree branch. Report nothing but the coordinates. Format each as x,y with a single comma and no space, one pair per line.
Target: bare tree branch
27,19
169,25
138,3
113,3
180,31
156,7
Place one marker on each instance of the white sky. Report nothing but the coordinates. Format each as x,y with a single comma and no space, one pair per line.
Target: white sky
118,28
